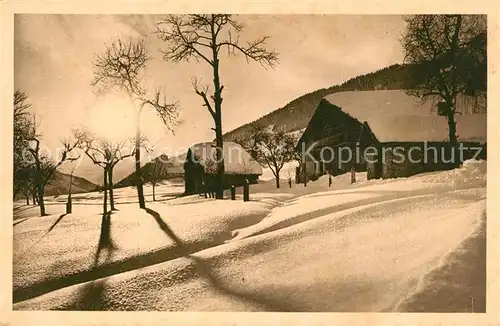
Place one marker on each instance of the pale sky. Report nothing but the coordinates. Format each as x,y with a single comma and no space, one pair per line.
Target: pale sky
54,54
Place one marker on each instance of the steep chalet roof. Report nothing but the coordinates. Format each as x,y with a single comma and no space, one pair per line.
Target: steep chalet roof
395,116
236,159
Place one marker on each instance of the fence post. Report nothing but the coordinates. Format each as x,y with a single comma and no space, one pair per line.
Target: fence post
69,202
69,205
305,175
246,191
233,193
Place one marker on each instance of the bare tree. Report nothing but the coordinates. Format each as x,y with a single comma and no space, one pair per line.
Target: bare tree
22,129
449,57
106,155
202,37
121,67
22,118
155,172
251,142
274,149
33,168
44,166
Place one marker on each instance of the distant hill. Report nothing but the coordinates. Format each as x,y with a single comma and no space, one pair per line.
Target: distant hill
296,114
60,185
174,166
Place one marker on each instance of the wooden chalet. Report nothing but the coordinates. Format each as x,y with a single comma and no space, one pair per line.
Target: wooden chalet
388,121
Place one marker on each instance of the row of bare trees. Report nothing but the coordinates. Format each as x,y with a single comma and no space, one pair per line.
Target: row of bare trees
186,37
34,167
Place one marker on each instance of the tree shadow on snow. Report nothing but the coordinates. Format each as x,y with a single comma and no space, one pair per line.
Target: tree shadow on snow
105,242
205,270
89,298
91,295
350,294
163,226
21,221
56,222
355,191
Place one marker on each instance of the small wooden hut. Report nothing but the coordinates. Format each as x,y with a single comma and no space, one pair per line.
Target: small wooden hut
200,167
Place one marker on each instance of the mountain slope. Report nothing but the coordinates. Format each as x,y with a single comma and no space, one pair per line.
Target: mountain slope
60,185
296,114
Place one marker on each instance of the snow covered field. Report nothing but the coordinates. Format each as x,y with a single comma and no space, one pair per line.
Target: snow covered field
409,244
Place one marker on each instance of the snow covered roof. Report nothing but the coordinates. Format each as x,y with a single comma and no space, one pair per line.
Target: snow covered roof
395,116
236,159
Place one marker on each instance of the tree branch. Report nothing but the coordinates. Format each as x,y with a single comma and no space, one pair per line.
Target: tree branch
202,92
167,112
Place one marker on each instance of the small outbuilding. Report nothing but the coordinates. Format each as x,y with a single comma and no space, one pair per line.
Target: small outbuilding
200,167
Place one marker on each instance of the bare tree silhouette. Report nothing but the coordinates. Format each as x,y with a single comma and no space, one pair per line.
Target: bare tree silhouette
121,67
449,53
43,165
105,154
155,172
202,37
33,167
270,147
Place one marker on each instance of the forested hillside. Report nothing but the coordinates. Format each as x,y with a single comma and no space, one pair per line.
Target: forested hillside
296,114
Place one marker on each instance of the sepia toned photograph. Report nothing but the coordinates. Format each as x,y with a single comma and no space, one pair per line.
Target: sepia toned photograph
250,163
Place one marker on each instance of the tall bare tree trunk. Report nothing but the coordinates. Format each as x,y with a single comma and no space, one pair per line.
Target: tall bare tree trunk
451,102
41,201
69,203
277,180
110,184
154,186
452,126
39,184
105,202
138,174
33,197
219,182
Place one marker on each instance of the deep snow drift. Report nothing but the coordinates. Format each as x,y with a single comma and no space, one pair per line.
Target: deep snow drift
405,244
